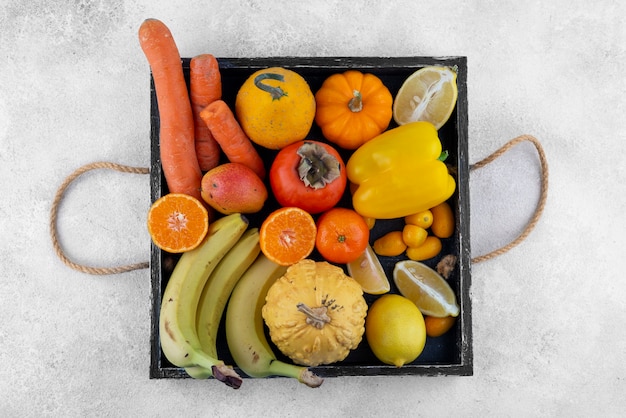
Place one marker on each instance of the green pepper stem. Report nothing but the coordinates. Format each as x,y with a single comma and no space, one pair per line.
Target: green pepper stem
443,156
275,92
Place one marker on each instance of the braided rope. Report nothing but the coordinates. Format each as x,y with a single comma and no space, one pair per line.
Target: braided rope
55,209
542,199
141,170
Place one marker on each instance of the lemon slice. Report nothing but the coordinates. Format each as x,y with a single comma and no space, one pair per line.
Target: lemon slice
426,288
429,94
369,273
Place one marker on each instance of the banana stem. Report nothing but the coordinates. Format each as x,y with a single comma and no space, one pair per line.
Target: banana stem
303,374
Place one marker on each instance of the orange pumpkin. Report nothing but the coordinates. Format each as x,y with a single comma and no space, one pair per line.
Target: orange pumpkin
352,108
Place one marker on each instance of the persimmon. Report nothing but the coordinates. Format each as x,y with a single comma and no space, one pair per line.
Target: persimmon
342,235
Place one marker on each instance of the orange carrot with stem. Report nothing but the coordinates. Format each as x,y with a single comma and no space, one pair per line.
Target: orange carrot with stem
176,136
205,87
232,139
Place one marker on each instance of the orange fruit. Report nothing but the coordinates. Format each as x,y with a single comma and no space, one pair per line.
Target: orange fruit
391,244
287,235
423,219
443,220
430,248
275,107
436,327
177,222
342,235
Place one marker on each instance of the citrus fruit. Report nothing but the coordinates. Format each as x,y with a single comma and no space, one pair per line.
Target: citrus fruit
177,222
342,235
430,248
395,330
429,94
390,245
369,273
430,292
422,219
413,235
443,220
287,235
275,107
436,327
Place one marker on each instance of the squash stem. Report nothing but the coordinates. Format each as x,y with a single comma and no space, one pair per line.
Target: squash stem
275,92
315,316
356,103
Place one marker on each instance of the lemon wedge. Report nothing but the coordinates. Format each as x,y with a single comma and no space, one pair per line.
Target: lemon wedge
426,288
369,273
429,94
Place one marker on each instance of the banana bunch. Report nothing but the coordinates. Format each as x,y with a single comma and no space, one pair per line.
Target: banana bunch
226,273
245,332
178,332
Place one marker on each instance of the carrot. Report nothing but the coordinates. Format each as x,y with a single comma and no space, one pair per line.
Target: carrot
205,87
176,135
232,139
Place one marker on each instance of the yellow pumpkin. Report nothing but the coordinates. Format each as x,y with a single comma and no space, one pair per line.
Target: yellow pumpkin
275,107
315,313
352,108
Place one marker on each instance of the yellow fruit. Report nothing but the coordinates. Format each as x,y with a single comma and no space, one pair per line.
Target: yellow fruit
275,107
395,330
413,235
390,244
429,94
430,292
369,273
423,219
429,249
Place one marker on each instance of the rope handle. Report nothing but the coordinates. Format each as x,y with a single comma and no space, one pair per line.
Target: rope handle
142,170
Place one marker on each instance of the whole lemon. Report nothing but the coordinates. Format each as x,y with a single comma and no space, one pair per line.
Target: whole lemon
395,330
275,107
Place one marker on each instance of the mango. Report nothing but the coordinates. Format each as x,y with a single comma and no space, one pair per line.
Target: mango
233,188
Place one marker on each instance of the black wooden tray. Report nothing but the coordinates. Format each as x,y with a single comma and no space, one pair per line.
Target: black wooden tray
450,354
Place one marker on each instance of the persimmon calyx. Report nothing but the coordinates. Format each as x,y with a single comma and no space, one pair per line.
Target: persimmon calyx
317,167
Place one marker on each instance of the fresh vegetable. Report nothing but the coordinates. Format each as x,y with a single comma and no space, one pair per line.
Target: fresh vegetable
233,187
395,330
176,127
275,107
315,313
429,249
399,172
232,139
443,220
288,235
308,174
352,108
436,327
391,244
177,222
205,87
342,235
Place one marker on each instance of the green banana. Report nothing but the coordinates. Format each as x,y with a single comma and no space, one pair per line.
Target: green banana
216,292
245,333
177,318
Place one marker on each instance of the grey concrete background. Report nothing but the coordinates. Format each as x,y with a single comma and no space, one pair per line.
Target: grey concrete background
549,334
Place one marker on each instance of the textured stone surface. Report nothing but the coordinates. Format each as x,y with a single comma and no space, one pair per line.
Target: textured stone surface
548,316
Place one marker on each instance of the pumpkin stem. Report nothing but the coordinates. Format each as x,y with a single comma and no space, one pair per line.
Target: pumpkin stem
317,167
314,316
356,103
275,92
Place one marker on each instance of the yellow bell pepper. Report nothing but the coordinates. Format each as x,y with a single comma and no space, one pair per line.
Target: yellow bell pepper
398,173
